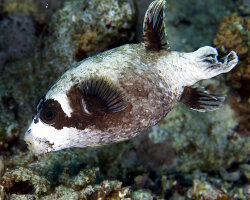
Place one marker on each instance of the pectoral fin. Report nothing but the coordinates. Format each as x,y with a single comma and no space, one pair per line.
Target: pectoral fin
201,100
154,35
101,96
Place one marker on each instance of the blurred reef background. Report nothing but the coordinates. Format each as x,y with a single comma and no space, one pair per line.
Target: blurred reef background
189,155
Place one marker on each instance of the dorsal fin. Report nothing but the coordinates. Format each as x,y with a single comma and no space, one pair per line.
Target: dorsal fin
201,100
154,35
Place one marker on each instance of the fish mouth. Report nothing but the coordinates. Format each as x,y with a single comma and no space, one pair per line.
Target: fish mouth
28,138
37,145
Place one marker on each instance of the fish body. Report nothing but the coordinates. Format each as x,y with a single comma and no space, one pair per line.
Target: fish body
117,94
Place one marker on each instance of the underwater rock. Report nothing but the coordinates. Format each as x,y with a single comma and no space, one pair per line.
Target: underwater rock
245,169
1,192
17,91
66,175
13,6
1,167
83,173
243,6
40,11
230,176
23,181
143,181
17,38
234,33
143,194
67,168
112,190
45,178
83,28
204,190
8,137
3,59
199,185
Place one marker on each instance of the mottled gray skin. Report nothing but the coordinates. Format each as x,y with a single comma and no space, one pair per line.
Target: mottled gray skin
151,82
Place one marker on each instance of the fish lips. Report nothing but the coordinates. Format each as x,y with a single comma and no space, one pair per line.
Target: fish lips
37,145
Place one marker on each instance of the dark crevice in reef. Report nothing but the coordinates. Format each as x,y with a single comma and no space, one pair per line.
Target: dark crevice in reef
22,187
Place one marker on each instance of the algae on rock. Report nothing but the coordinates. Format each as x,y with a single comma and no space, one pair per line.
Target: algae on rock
204,190
83,28
234,34
70,180
23,181
40,11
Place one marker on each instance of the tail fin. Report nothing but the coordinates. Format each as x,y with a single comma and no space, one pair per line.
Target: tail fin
211,66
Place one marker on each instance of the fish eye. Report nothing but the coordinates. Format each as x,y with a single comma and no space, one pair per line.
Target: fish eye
48,115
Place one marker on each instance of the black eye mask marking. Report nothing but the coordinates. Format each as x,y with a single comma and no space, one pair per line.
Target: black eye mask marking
49,115
46,110
49,112
38,108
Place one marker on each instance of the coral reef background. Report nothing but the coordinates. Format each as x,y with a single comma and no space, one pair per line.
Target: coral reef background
188,155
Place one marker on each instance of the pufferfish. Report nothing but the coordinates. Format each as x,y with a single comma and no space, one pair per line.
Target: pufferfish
117,94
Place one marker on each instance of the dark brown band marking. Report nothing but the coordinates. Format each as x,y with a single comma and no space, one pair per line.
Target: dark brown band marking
103,102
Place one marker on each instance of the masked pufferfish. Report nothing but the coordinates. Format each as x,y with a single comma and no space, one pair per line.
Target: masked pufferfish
117,94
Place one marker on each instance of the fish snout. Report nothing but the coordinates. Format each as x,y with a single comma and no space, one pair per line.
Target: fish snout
29,139
33,144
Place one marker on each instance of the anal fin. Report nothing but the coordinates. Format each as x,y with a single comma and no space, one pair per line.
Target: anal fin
201,100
